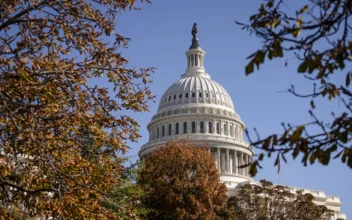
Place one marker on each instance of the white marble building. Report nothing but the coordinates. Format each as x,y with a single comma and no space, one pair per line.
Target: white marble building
199,108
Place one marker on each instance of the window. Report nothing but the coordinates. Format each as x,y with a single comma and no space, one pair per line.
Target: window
217,128
225,129
200,94
186,95
180,96
193,127
174,96
163,131
158,133
177,128
165,99
193,94
169,98
169,129
210,127
207,95
201,127
185,127
231,131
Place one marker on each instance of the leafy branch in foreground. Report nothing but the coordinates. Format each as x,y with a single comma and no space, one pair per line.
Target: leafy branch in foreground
49,50
318,35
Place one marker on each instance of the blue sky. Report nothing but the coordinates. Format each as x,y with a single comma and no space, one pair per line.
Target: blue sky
161,34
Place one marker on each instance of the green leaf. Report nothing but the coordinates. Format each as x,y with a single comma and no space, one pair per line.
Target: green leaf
253,170
303,66
252,17
296,151
249,68
349,162
348,79
261,56
297,134
266,143
312,104
296,32
303,9
312,158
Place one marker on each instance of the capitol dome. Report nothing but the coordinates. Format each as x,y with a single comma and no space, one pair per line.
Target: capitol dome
198,108
199,89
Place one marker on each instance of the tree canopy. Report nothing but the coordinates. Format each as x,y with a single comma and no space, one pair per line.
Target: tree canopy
318,35
266,201
181,181
50,52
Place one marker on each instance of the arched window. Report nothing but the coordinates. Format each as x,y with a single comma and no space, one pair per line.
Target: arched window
169,129
225,129
193,127
169,98
163,131
231,131
210,127
193,94
185,127
158,132
177,128
180,96
174,96
217,128
186,95
200,94
201,127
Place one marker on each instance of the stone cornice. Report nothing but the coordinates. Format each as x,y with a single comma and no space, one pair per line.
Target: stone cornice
194,116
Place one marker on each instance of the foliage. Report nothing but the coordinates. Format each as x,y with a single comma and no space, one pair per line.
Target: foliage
49,50
128,195
274,202
319,36
181,181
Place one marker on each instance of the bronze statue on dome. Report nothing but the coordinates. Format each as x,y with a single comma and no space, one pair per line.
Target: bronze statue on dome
194,30
194,39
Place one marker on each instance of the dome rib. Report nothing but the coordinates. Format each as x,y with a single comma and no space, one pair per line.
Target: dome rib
196,84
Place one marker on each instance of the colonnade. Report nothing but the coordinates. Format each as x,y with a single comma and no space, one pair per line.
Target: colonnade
220,127
195,59
228,161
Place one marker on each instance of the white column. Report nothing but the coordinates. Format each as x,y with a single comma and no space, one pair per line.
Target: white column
240,160
249,161
228,161
219,160
245,162
231,162
236,162
223,163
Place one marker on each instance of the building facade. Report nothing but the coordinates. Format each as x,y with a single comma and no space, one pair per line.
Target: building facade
198,108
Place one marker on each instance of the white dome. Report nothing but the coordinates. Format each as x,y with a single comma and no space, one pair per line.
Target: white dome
198,108
196,89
